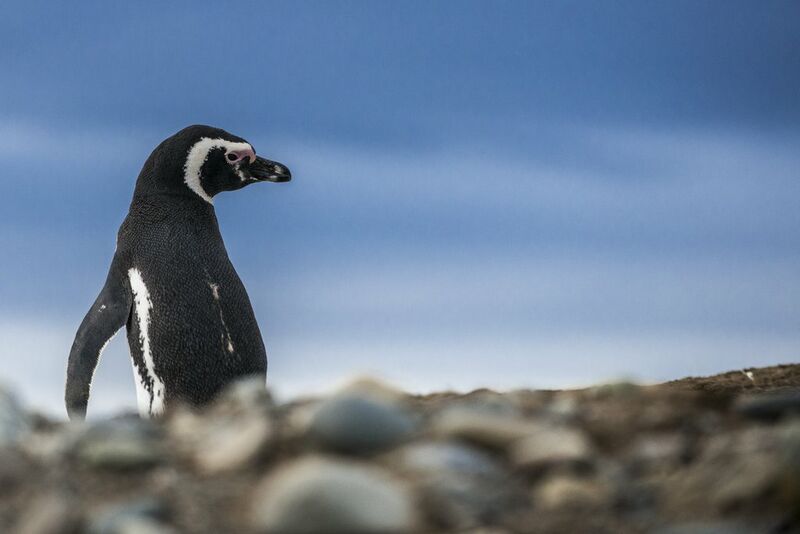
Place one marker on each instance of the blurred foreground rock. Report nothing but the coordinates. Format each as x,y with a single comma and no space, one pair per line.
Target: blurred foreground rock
692,456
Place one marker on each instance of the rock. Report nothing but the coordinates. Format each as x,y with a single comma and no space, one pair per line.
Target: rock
770,406
358,423
563,409
145,516
248,394
14,423
374,388
572,493
735,471
319,495
52,513
789,462
431,457
620,389
52,445
218,443
232,433
460,487
14,469
552,446
482,427
123,443
659,453
712,527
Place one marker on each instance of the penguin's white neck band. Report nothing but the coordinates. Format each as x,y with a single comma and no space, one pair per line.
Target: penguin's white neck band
198,154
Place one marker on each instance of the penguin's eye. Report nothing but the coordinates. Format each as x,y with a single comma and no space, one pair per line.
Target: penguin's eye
232,157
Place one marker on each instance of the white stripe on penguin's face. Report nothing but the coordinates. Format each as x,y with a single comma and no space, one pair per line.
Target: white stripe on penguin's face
198,154
151,395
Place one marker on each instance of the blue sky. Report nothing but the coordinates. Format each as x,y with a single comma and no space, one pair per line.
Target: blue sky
508,194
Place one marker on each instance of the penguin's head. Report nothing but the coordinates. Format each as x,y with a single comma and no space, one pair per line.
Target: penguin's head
204,161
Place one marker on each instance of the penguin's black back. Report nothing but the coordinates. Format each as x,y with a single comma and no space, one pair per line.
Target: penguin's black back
202,331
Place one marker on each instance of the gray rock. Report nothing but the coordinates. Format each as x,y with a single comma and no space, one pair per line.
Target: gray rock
431,457
14,422
52,513
319,495
218,443
121,443
712,527
551,446
145,516
770,406
622,388
483,427
789,462
461,487
563,409
358,423
572,493
659,453
248,394
15,468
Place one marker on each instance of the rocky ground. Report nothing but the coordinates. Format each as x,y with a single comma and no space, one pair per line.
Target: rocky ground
695,456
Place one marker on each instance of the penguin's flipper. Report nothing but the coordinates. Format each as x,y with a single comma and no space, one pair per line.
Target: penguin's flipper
106,317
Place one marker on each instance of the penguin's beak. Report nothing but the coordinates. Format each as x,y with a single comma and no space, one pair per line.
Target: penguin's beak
265,170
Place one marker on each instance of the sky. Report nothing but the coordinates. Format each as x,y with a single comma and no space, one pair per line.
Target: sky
501,194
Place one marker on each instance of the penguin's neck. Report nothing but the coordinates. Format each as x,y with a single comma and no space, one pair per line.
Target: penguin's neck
172,207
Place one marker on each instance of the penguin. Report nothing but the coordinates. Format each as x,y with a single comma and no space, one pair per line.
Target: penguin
190,325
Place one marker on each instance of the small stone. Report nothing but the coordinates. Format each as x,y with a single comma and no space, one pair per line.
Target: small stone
659,453
481,427
373,387
51,445
14,423
425,458
145,516
233,444
52,513
319,495
357,423
563,409
247,394
123,443
15,468
552,446
789,458
460,487
572,493
770,406
619,389
712,527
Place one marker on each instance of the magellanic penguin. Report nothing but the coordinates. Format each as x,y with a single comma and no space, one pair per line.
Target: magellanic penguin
191,328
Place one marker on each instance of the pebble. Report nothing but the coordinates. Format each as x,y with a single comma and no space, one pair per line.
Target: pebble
482,427
321,495
461,486
552,446
431,457
712,527
218,443
770,406
14,423
248,394
572,493
144,516
359,423
659,453
373,459
123,443
51,513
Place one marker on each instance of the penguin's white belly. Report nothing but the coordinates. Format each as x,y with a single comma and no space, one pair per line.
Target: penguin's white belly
149,387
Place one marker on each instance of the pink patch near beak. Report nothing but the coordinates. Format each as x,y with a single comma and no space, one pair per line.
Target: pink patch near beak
241,154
